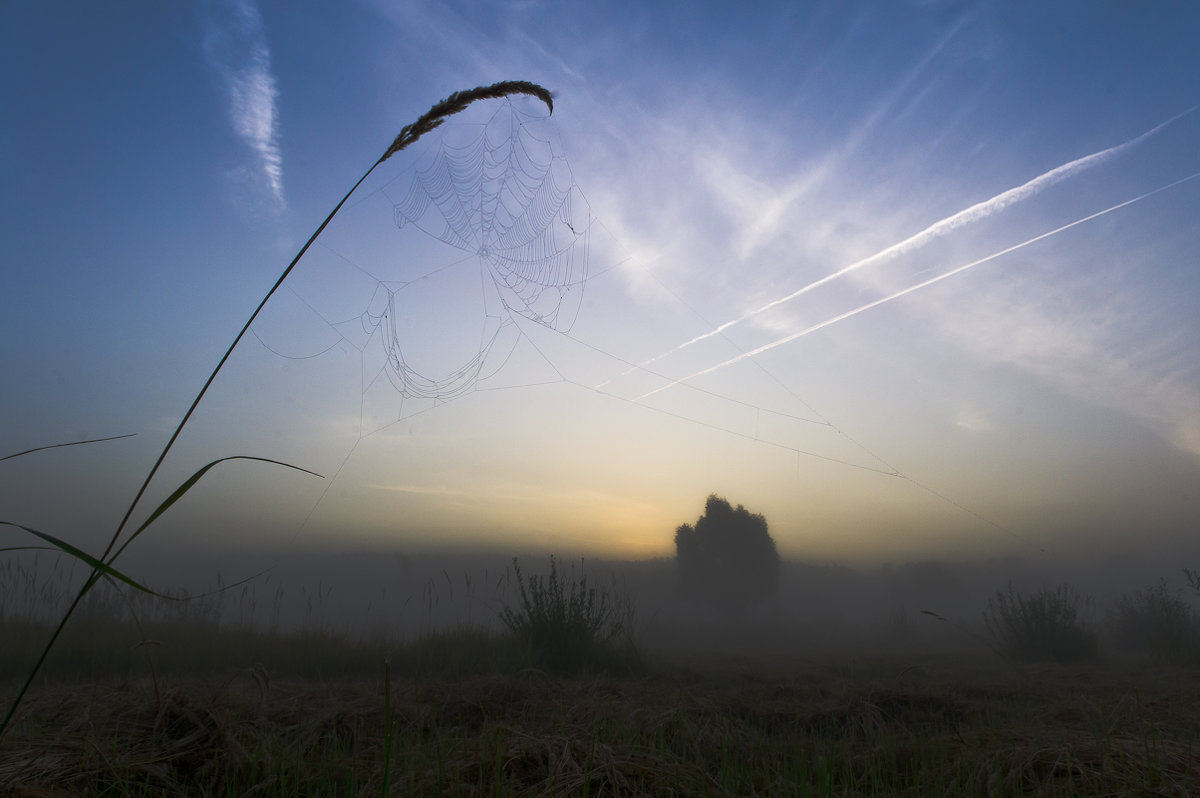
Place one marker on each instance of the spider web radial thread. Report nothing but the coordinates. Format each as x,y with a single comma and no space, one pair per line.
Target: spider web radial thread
508,235
509,198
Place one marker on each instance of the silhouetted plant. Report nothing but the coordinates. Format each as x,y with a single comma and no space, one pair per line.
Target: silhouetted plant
1158,623
1044,627
568,626
728,557
102,567
1193,580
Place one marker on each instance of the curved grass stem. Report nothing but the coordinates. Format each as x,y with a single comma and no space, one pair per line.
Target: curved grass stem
408,134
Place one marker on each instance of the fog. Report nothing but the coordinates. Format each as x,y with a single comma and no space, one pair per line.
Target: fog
822,610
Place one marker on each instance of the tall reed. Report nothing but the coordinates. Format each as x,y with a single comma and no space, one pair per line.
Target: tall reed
102,566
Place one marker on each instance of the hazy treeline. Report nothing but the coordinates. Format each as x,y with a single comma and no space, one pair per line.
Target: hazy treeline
817,608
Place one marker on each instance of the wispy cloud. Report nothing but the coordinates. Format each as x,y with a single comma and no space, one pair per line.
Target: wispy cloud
236,47
917,286
1097,332
949,224
425,490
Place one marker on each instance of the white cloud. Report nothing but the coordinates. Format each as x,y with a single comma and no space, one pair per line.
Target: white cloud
716,207
938,229
426,490
1092,343
237,51
971,420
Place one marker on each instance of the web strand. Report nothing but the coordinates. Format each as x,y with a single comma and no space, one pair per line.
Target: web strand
500,204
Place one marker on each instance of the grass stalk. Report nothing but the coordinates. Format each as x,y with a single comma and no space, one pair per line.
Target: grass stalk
61,445
408,135
388,728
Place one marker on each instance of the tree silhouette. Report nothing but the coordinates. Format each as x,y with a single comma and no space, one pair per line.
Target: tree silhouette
728,557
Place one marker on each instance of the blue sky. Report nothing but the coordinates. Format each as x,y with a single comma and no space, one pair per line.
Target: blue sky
911,279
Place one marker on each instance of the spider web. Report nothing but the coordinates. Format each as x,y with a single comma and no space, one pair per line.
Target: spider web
489,212
507,197
488,227
482,232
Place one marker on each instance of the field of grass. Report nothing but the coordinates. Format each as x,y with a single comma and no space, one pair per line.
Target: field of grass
564,700
465,716
561,699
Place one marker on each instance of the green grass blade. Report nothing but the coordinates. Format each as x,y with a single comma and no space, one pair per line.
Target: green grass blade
60,445
193,479
83,556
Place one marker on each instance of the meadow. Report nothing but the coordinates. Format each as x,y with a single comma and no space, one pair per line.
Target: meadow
571,688
196,698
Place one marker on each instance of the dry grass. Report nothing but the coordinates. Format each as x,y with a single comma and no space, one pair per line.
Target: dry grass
807,729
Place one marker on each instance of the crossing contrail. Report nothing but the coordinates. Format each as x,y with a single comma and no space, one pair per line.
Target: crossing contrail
919,286
973,213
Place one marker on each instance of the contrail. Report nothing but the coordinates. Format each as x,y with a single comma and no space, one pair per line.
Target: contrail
919,286
975,212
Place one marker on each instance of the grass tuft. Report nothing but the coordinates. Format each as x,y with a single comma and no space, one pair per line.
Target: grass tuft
1045,627
1158,623
567,626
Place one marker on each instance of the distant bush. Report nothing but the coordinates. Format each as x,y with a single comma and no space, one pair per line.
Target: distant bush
728,557
1044,627
1158,623
568,626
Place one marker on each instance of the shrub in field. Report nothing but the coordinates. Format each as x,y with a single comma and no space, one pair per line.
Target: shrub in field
1193,580
1159,623
568,626
1043,627
728,557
